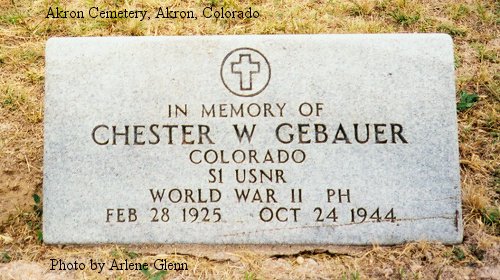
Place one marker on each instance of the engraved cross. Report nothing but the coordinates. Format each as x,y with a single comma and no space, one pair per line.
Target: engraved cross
245,68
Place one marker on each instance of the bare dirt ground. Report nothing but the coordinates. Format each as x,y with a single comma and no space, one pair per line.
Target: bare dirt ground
474,26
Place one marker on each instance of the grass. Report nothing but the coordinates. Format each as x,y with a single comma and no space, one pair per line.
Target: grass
158,275
474,26
467,100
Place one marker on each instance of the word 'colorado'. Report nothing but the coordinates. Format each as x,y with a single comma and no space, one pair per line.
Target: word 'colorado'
285,133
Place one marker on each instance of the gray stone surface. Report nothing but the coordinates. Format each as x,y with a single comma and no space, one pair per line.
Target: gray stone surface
402,184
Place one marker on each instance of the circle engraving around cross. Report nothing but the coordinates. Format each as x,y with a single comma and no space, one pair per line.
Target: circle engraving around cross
245,72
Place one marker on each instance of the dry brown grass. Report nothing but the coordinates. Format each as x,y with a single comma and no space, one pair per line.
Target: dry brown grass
474,25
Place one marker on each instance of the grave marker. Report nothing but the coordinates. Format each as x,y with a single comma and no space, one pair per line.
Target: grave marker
282,139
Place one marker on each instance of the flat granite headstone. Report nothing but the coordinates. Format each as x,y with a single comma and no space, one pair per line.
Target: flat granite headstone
286,139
